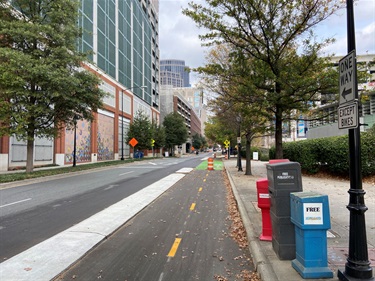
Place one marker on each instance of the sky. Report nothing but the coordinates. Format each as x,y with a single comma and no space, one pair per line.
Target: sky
178,34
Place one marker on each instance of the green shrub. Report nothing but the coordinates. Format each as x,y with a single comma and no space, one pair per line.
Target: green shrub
368,153
264,157
272,153
243,152
330,154
305,152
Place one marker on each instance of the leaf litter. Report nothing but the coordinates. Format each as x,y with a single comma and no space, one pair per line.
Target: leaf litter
237,232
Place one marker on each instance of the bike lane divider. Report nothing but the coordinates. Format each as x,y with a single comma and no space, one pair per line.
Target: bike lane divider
174,248
178,240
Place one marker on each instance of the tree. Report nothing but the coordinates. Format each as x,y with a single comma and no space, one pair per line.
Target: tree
277,36
252,126
228,75
198,141
216,132
158,135
140,129
175,130
42,85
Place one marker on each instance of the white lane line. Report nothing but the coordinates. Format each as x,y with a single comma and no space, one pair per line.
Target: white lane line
185,170
172,163
126,173
152,163
24,200
110,186
142,167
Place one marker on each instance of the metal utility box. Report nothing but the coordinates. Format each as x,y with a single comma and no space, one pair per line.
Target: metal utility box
283,179
310,215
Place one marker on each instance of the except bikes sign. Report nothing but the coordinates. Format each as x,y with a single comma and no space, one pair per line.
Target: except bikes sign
348,115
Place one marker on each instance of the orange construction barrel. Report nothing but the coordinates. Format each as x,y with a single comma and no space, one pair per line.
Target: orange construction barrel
210,164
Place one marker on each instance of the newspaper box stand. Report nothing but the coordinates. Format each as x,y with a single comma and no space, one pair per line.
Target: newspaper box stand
264,204
310,215
283,178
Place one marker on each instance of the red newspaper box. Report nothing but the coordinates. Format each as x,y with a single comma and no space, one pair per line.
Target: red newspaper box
264,204
274,161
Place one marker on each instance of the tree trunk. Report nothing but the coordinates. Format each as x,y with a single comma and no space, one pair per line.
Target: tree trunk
30,155
279,133
248,156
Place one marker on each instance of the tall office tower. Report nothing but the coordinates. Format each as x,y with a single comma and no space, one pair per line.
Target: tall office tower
175,73
123,38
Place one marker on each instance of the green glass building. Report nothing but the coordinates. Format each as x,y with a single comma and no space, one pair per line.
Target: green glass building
123,38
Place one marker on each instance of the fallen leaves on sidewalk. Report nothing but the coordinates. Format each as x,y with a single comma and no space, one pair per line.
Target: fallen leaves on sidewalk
237,229
248,276
220,278
237,232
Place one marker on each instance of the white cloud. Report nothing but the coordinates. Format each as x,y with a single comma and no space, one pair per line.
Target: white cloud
178,34
366,39
364,23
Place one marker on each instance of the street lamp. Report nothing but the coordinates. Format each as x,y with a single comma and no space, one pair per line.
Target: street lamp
357,265
239,164
122,117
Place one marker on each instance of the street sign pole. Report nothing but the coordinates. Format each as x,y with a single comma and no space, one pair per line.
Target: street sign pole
357,266
227,142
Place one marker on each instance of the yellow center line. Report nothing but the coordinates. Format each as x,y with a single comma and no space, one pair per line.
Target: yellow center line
204,180
192,206
174,248
200,189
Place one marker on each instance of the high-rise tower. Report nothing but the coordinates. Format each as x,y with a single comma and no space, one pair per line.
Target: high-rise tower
175,73
123,38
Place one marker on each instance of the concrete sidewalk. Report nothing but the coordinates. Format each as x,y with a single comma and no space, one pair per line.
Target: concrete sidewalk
268,265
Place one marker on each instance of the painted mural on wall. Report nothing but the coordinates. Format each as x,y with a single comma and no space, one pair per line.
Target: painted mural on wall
105,137
83,143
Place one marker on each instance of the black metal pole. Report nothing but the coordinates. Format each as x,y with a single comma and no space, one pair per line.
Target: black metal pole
122,125
75,142
357,266
239,164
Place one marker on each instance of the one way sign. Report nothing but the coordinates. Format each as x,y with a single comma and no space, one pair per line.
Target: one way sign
347,70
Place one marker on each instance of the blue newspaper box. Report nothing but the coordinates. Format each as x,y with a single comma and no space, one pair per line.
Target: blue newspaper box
309,213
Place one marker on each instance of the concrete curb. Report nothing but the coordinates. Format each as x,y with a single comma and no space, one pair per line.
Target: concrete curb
261,262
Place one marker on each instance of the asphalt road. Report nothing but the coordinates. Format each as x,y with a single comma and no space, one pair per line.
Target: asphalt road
32,213
183,235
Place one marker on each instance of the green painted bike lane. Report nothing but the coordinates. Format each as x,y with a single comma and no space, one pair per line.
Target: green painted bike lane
218,165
